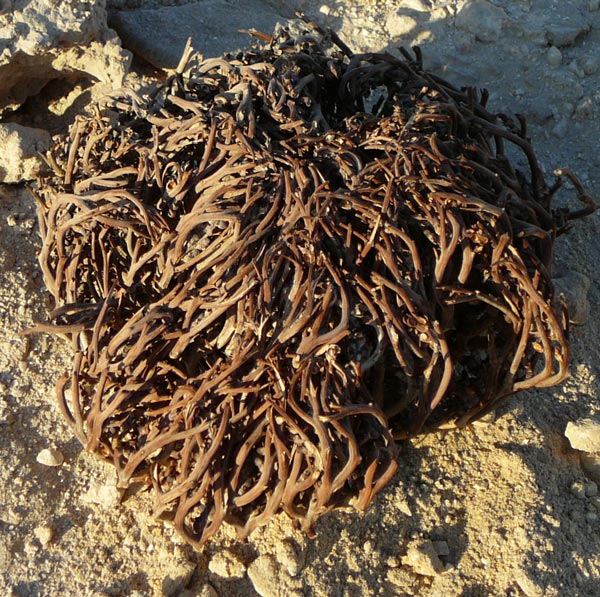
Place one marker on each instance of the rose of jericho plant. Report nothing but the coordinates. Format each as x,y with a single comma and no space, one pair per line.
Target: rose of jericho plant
281,262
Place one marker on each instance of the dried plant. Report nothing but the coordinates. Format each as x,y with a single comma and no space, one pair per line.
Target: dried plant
283,261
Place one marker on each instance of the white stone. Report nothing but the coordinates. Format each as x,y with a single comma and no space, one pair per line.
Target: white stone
324,9
423,559
179,578
20,147
103,494
50,457
529,588
43,534
482,19
264,574
42,40
399,24
578,490
207,591
290,557
227,565
584,435
554,56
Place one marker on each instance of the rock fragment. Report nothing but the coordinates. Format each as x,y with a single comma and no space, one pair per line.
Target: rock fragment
42,40
176,582
423,559
20,149
213,26
584,435
290,557
554,56
565,32
399,24
227,564
591,466
481,18
441,548
103,494
50,457
590,65
269,580
578,490
43,534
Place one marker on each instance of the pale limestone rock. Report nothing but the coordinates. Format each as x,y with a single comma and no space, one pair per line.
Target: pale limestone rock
482,19
264,574
20,147
399,24
423,559
50,457
584,435
180,578
42,40
290,557
102,494
43,534
227,564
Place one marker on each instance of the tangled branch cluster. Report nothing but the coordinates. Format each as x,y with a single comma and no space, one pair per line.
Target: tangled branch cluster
281,262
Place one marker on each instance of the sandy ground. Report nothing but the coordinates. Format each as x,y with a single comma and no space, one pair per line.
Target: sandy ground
505,506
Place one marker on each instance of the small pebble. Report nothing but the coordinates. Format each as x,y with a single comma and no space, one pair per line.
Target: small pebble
591,489
578,490
554,56
398,24
226,564
180,578
43,534
481,18
264,575
11,220
584,435
441,548
423,559
590,65
591,466
324,9
103,494
206,591
290,557
50,457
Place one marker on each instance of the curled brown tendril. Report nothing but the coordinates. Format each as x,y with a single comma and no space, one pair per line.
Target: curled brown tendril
282,261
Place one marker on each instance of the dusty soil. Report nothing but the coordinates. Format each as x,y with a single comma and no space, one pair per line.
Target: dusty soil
505,505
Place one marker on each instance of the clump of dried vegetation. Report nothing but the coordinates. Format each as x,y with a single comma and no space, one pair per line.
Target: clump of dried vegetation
281,262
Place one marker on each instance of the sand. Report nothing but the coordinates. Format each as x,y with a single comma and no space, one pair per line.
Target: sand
502,508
